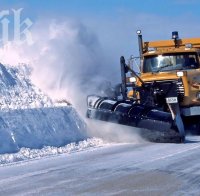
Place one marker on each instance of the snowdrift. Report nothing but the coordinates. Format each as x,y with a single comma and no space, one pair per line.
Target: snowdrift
29,118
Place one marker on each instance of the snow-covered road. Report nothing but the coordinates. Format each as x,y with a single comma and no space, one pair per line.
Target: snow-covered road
116,169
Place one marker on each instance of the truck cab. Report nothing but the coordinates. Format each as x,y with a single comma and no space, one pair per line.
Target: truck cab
171,64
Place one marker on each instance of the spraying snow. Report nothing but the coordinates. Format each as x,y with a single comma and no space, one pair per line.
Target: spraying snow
113,132
66,58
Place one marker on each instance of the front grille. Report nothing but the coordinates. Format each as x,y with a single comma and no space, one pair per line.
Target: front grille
164,86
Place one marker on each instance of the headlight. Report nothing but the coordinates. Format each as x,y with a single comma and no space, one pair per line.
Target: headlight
132,79
180,73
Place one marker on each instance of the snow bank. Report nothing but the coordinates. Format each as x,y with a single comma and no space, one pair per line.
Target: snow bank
36,128
29,118
17,90
27,154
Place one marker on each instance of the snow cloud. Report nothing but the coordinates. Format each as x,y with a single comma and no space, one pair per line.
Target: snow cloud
66,57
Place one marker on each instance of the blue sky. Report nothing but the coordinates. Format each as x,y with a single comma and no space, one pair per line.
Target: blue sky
84,8
115,21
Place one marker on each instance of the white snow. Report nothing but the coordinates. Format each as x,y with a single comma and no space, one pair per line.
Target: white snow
17,90
125,169
26,154
29,118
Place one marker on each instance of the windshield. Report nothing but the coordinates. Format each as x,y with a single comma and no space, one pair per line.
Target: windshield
168,62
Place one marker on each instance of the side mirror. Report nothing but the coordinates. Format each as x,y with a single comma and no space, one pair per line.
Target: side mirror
134,63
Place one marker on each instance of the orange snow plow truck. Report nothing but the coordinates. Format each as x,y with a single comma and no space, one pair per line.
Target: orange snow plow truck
163,99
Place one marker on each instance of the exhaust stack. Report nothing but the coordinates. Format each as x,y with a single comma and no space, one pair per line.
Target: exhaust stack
140,42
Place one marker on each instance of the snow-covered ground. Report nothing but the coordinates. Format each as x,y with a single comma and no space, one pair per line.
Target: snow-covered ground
115,169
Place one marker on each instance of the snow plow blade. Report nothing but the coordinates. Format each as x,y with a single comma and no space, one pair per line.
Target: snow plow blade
156,126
